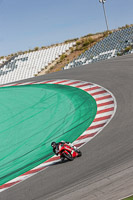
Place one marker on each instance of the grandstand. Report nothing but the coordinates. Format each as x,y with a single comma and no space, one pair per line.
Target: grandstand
107,48
29,64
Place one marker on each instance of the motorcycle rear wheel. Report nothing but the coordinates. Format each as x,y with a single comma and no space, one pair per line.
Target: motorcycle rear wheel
79,153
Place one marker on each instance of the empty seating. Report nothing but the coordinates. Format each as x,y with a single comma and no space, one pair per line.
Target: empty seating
106,48
2,61
29,64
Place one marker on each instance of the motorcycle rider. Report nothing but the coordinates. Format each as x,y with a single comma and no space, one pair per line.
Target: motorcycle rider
56,146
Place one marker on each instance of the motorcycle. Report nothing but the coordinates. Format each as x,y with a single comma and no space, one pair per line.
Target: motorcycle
65,151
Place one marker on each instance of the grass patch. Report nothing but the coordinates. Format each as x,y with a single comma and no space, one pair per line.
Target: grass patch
63,56
129,198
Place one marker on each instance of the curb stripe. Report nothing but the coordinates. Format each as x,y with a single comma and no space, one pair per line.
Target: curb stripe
103,98
8,184
52,159
33,171
86,84
104,107
105,104
93,88
101,92
102,118
104,114
97,126
78,145
73,82
86,136
47,82
61,82
105,110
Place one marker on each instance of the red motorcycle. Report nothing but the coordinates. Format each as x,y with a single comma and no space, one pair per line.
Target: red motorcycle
65,151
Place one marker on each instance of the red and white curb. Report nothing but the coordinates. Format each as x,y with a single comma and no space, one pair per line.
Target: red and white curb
106,107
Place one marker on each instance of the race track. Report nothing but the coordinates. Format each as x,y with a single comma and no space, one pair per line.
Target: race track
105,171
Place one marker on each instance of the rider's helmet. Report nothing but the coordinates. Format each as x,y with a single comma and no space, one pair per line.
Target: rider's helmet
53,144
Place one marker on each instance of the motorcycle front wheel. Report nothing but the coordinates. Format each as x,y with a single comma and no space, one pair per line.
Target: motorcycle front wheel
68,156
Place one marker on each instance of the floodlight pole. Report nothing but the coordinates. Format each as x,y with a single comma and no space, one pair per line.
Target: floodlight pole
103,1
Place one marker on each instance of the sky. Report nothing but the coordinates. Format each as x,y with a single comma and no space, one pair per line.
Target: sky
25,24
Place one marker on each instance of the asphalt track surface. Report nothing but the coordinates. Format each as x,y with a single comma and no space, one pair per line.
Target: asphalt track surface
105,171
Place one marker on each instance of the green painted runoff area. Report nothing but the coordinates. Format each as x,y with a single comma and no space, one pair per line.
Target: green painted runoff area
32,116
